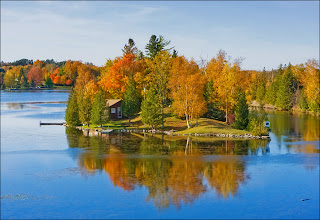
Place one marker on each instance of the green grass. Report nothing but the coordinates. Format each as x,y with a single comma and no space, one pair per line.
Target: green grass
205,125
213,129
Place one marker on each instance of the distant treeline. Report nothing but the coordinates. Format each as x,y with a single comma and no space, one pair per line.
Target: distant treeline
25,62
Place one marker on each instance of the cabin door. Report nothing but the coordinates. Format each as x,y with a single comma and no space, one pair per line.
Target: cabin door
119,112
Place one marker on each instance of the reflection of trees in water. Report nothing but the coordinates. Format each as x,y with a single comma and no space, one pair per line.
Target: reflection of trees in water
305,148
232,147
293,128
297,127
186,180
15,106
152,145
225,176
118,172
176,179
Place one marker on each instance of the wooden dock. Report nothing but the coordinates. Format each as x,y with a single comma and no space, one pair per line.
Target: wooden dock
49,123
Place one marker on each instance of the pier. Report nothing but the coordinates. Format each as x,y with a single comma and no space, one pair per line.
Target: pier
51,123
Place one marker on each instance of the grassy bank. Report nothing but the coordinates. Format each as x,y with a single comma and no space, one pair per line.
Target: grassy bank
205,126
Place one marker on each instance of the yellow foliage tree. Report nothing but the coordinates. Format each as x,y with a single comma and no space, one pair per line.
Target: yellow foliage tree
311,83
187,86
225,79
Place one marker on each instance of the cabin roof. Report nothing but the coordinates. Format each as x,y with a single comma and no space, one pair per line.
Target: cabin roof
111,102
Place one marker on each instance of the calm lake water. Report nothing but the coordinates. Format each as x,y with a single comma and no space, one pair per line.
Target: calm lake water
52,172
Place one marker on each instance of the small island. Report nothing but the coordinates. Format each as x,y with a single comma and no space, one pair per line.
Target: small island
161,92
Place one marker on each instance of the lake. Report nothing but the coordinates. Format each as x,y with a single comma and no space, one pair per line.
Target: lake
53,172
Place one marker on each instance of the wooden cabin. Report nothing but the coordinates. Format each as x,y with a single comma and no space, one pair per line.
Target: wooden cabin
115,108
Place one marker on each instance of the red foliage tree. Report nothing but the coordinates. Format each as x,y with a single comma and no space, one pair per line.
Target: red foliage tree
36,75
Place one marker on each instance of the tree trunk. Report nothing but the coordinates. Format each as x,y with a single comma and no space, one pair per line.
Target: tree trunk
185,151
227,111
101,127
162,116
187,121
129,119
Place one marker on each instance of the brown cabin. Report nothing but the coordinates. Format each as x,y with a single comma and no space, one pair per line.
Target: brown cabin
115,108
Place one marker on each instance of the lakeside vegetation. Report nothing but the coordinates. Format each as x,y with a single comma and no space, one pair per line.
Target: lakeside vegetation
210,91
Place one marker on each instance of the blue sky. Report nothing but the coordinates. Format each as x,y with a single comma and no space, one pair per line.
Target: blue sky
264,33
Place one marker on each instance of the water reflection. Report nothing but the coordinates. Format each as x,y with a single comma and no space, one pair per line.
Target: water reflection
173,172
297,133
158,145
15,106
170,180
294,127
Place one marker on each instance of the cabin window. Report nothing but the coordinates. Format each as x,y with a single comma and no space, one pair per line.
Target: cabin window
113,110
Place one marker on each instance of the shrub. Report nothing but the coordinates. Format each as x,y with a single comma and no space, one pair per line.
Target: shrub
256,124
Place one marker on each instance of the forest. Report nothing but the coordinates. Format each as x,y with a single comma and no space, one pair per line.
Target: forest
158,78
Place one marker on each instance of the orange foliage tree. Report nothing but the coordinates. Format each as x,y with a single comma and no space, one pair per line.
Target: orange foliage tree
57,80
69,82
115,80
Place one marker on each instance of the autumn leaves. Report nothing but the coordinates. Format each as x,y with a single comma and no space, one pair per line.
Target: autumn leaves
187,86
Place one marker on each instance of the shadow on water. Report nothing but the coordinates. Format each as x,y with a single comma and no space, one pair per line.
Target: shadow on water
174,171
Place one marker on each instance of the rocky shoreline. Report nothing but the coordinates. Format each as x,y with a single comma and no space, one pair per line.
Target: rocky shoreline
172,133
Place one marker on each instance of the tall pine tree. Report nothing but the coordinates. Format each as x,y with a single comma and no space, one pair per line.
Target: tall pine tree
85,108
100,110
151,110
131,100
271,94
285,90
241,113
261,89
156,45
72,111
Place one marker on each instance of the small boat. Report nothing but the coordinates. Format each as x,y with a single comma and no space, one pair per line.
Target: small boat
106,131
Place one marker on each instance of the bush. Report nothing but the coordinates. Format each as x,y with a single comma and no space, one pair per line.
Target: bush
256,124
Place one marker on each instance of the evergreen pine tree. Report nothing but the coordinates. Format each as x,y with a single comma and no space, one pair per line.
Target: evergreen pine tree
48,82
261,89
151,110
174,53
100,110
214,110
85,108
72,111
241,113
131,100
303,104
271,93
156,45
285,89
